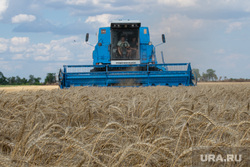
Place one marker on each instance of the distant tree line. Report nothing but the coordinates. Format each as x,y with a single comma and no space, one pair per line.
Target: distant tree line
50,78
32,80
234,80
210,75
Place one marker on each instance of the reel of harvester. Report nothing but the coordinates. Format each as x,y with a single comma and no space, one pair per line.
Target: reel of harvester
194,78
60,78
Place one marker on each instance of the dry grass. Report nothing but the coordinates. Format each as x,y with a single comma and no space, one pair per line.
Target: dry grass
27,87
152,126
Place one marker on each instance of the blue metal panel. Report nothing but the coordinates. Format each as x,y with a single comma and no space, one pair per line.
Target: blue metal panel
146,50
101,54
144,35
104,35
144,55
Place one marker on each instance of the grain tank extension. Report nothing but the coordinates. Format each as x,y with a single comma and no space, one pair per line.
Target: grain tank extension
125,56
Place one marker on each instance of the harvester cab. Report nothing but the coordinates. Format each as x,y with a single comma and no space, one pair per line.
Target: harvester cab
124,42
125,56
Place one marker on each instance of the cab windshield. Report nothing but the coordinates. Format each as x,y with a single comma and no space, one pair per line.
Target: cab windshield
125,44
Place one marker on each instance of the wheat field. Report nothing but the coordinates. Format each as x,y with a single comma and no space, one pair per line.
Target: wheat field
148,126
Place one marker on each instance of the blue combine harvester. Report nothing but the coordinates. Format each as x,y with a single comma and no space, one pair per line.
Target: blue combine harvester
125,56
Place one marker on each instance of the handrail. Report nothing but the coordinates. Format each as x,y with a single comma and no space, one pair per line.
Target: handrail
127,65
162,67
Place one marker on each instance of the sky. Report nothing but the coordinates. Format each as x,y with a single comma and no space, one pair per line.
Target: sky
38,37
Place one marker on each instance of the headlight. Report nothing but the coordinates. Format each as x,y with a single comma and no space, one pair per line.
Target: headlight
150,43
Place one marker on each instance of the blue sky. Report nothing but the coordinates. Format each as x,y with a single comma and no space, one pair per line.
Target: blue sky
38,37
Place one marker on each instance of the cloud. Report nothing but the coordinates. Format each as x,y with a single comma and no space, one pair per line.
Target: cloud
3,48
97,7
23,18
104,3
76,2
17,49
21,57
18,57
234,26
14,45
100,12
56,50
179,26
3,45
65,49
178,3
42,58
36,27
103,20
20,40
76,28
3,7
18,44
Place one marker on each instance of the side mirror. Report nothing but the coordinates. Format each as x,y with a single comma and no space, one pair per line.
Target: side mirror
163,38
87,37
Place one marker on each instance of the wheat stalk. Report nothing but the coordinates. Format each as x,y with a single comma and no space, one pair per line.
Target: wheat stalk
92,126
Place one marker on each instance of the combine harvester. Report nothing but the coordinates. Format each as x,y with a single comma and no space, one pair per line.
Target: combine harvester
125,56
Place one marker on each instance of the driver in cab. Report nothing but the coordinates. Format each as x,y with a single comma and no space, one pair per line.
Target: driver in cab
123,47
